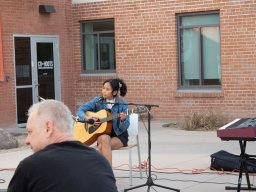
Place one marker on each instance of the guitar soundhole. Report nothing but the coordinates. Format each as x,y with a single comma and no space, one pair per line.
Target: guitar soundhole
92,129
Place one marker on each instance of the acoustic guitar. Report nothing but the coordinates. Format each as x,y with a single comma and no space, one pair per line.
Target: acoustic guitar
88,133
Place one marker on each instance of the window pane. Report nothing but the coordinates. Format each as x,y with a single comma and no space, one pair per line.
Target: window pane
90,52
45,70
96,26
23,61
196,20
24,101
107,51
88,28
190,56
103,26
211,55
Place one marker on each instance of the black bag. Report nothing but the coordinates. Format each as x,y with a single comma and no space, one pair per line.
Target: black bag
224,161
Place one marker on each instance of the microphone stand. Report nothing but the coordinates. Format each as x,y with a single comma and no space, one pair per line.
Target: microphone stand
149,181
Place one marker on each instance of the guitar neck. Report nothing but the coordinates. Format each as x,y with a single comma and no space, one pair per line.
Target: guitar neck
111,117
128,112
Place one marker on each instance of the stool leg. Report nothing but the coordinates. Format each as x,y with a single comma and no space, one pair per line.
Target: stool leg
130,166
139,157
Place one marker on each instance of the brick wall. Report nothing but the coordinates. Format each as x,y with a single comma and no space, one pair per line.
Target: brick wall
22,17
146,55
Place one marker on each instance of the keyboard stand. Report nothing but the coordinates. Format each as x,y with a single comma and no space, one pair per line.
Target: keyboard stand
243,166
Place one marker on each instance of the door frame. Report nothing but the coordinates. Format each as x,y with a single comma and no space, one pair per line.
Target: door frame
57,80
48,39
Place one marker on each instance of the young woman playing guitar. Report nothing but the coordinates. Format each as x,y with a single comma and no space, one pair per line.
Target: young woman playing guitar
113,103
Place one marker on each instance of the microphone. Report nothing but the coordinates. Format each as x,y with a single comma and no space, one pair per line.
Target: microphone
90,121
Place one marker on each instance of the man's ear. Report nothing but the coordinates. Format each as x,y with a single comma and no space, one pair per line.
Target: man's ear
49,128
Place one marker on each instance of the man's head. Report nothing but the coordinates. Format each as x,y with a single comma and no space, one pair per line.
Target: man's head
49,121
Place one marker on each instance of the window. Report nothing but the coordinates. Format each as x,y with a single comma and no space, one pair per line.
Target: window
98,46
199,50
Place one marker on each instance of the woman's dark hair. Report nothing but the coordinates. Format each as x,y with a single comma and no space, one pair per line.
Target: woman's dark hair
117,85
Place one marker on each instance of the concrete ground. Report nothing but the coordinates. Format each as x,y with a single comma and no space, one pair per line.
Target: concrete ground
180,160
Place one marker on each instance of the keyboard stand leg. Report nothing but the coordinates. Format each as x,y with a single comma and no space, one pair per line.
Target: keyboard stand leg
243,166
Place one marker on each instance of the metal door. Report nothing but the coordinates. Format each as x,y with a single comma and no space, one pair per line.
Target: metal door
37,72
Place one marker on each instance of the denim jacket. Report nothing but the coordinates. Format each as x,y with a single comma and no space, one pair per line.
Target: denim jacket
96,104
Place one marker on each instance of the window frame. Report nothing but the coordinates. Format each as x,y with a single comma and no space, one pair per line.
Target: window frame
100,71
199,27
